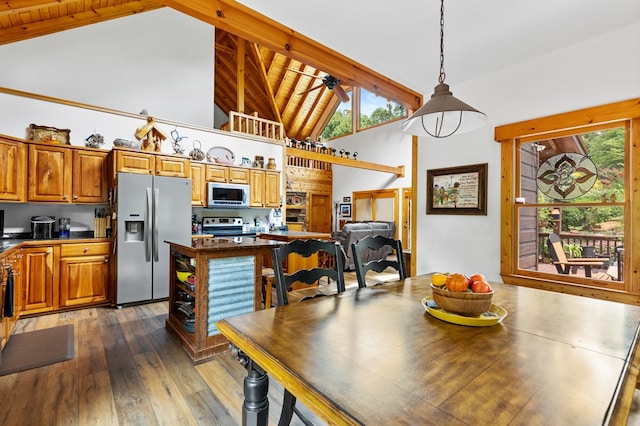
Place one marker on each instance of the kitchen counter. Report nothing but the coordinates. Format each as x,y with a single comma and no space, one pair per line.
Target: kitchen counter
227,281
293,235
17,242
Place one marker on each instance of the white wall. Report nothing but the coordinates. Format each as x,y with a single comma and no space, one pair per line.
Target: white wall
160,60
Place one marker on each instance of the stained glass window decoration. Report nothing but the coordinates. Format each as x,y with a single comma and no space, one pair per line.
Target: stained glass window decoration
567,176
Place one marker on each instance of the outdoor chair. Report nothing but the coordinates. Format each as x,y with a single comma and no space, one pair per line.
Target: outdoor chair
565,266
309,277
364,246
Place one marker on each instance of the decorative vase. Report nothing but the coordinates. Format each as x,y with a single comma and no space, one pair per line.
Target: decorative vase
271,165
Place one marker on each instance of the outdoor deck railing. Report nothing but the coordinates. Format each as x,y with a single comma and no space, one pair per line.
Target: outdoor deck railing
603,244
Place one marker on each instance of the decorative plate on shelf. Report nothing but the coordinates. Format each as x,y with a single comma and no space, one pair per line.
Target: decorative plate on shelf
220,155
493,316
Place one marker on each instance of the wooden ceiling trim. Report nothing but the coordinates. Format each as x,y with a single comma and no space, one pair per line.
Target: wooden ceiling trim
33,21
253,26
255,49
325,116
240,68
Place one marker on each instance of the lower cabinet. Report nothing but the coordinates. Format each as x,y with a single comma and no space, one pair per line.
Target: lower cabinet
65,275
8,323
84,274
40,289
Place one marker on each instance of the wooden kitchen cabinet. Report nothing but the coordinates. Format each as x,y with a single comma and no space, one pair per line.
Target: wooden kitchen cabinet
272,189
63,174
265,188
40,283
89,172
219,173
13,163
148,163
7,324
198,185
84,273
50,173
130,161
172,166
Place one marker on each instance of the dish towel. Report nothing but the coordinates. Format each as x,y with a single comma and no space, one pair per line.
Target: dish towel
8,295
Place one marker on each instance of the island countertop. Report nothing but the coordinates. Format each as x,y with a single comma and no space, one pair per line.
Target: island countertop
288,236
227,243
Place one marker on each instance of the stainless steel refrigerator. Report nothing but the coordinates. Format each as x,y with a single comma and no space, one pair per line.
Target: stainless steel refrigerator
150,210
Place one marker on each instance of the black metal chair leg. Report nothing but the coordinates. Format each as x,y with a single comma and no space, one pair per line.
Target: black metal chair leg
288,404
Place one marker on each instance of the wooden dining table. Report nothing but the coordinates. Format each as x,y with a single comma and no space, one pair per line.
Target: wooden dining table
375,356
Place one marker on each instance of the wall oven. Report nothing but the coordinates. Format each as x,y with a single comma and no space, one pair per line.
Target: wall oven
227,195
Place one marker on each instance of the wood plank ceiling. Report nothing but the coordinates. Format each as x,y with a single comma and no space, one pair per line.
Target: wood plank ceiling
263,81
272,87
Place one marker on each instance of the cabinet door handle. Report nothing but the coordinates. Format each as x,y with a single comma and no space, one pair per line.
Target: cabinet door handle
106,260
75,197
86,249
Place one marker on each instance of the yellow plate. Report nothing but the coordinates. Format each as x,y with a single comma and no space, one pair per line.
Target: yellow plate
493,316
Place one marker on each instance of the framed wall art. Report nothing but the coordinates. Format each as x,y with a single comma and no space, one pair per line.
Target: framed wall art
345,210
457,190
49,134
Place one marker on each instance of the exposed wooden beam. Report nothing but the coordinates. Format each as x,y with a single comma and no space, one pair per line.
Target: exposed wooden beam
265,80
246,23
32,29
342,161
240,67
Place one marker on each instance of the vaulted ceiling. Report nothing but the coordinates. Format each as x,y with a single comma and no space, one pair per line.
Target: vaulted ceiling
272,85
255,73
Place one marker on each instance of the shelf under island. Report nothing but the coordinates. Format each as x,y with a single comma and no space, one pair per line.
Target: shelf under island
222,278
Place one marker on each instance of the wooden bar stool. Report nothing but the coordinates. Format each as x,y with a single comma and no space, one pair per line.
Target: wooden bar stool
268,281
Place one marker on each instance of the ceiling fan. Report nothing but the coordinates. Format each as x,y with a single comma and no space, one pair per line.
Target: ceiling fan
330,81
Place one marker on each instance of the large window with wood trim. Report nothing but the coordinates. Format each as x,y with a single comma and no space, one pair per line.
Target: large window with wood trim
369,109
572,193
569,182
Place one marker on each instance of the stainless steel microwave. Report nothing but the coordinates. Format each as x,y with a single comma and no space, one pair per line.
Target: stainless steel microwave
227,195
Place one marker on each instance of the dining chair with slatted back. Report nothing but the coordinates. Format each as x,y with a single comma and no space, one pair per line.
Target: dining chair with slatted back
371,254
309,277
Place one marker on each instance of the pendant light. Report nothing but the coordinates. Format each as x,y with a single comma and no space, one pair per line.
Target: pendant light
443,115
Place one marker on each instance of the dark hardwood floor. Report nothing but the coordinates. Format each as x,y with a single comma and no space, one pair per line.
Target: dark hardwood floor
127,370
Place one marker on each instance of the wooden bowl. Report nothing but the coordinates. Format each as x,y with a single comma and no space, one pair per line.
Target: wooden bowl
462,303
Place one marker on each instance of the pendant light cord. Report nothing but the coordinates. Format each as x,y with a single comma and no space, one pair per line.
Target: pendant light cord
442,75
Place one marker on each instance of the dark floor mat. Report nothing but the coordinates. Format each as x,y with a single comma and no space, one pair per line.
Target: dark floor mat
34,349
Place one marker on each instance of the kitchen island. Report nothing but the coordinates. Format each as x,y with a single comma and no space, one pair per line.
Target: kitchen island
223,278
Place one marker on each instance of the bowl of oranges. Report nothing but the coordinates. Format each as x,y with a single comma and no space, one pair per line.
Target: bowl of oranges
456,293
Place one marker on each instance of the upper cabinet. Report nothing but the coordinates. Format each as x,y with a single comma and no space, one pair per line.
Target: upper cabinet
60,174
148,163
198,185
89,171
265,188
50,173
219,173
13,163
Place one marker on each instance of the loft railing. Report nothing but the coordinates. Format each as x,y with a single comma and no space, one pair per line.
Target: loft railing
254,125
